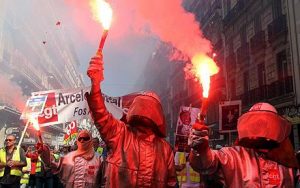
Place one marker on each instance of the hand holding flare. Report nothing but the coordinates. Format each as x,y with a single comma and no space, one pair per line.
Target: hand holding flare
95,70
36,126
204,68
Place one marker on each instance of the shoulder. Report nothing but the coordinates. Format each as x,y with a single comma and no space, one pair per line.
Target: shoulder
234,152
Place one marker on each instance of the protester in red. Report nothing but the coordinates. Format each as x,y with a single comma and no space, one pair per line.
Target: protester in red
33,155
139,155
79,168
264,156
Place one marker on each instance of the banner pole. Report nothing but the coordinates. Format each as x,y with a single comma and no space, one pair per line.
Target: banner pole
23,134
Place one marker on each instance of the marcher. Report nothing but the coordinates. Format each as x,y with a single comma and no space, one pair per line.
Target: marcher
26,174
78,168
138,154
12,160
64,150
96,146
264,156
297,179
35,165
186,176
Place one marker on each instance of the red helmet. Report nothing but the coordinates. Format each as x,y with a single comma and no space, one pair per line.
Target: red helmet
262,127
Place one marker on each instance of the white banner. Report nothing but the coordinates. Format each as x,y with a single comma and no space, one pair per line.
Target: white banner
68,105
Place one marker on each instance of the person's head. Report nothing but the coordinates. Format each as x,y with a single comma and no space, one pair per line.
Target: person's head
65,149
10,140
146,112
96,142
262,128
102,144
24,147
185,117
84,139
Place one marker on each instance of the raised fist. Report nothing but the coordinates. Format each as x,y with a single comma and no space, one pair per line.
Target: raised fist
95,69
198,139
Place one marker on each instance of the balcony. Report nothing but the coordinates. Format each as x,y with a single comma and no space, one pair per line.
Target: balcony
214,9
235,12
258,42
254,95
243,53
277,28
280,87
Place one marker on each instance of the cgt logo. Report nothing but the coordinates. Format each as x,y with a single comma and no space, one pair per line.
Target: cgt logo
49,113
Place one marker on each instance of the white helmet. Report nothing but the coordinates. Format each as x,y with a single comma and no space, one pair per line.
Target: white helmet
262,127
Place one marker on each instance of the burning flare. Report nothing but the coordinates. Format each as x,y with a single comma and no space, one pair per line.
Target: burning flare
203,68
35,123
102,12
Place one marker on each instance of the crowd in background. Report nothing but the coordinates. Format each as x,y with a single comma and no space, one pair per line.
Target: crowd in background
34,172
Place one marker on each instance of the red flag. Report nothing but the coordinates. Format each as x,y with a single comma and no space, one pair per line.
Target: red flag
71,131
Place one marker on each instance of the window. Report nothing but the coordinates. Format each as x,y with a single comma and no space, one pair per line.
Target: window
262,81
246,88
285,82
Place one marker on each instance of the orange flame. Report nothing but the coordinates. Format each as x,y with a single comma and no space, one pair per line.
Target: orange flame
35,123
203,68
102,12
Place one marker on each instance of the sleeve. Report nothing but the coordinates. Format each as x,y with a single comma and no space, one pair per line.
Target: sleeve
205,162
109,127
172,176
176,158
210,161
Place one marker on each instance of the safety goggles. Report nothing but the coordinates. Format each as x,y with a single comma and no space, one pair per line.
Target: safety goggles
83,139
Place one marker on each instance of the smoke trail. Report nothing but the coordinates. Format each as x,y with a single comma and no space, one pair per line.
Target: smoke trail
11,94
173,24
166,19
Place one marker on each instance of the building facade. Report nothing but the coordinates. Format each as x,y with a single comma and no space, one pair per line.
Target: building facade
34,56
257,48
259,65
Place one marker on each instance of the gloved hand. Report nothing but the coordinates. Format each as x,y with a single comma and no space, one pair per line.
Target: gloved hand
95,69
39,147
198,139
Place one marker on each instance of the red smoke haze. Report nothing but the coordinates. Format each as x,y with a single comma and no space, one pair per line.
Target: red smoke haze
11,93
166,19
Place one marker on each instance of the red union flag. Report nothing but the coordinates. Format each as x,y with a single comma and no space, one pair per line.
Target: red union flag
49,113
71,132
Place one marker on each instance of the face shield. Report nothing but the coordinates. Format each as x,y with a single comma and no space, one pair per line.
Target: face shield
262,127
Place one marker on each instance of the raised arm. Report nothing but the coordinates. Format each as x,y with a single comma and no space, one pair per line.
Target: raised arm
108,126
202,158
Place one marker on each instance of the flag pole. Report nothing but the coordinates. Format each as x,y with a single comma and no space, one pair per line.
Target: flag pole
23,134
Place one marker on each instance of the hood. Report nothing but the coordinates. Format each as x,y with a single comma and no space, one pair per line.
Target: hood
262,129
148,106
